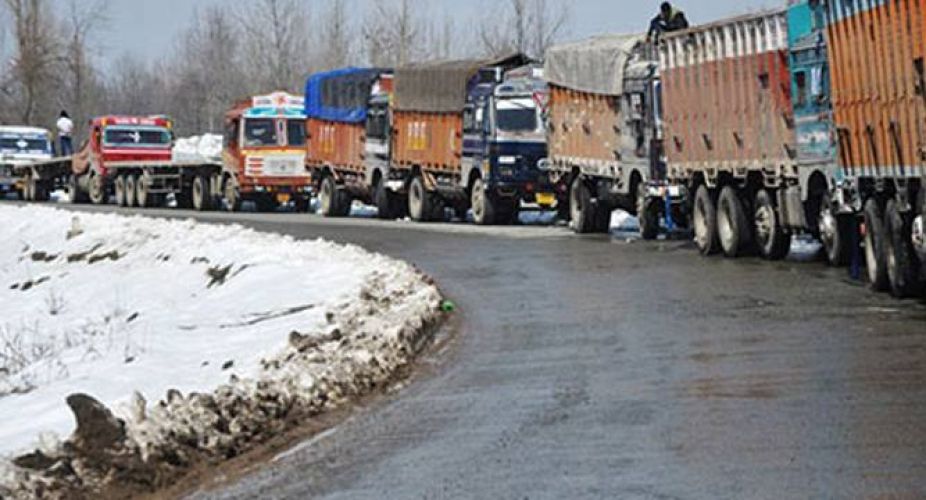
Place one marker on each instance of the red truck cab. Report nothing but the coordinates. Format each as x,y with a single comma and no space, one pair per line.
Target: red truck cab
116,140
264,159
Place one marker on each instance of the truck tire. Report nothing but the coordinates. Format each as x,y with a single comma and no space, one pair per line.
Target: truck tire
732,225
705,223
231,194
422,205
75,193
97,189
41,192
119,190
875,259
484,206
648,210
332,202
836,233
773,242
389,205
130,190
143,196
202,194
581,210
902,265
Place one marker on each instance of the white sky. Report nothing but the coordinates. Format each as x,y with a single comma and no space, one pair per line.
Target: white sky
146,28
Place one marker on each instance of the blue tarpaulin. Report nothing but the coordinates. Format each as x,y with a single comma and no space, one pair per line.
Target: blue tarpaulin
342,95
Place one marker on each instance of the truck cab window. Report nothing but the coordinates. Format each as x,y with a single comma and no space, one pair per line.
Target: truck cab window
469,120
517,115
231,133
295,132
260,132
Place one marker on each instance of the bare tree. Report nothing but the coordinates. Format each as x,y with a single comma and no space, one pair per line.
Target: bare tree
335,36
82,89
276,42
529,27
391,32
31,79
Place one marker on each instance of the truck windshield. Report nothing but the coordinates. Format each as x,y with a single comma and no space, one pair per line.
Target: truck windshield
123,136
295,132
516,115
22,144
260,132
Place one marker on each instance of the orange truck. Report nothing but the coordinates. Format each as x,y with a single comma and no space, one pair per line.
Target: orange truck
349,132
264,157
603,132
465,138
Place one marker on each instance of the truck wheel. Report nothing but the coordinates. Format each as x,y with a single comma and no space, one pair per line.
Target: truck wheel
202,194
232,196
602,218
389,205
143,197
902,266
705,223
919,230
835,233
130,190
875,259
422,207
332,202
97,189
648,210
484,209
119,190
75,193
732,225
773,241
581,209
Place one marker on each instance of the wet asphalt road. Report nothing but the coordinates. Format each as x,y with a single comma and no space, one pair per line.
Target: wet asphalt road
593,368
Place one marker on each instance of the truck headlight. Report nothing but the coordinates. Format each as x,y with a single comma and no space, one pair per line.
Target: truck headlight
507,160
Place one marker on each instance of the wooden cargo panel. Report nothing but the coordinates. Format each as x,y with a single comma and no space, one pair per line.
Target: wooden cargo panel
727,96
876,57
584,126
336,144
432,141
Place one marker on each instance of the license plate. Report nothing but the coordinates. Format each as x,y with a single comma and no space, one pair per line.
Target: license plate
283,197
546,199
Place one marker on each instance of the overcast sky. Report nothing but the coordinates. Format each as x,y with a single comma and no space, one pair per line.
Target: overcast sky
146,28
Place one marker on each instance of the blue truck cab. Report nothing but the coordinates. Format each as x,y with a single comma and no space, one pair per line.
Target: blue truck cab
504,146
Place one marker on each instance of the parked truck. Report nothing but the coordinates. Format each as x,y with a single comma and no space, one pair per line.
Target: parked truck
604,128
265,155
348,147
464,138
734,163
20,146
876,53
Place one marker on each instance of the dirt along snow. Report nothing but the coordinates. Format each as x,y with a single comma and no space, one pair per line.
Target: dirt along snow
126,309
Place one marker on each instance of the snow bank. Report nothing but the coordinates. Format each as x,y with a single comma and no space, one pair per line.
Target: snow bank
234,329
207,147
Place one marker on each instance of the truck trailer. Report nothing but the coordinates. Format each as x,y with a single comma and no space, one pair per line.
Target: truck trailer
463,139
22,146
604,127
348,147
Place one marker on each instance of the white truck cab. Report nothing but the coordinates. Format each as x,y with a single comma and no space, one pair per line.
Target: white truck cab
21,146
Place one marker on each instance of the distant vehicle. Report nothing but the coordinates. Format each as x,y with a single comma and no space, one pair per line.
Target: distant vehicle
464,138
349,132
604,129
21,146
265,155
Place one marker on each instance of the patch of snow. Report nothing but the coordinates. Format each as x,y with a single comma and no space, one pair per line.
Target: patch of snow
108,305
359,209
206,148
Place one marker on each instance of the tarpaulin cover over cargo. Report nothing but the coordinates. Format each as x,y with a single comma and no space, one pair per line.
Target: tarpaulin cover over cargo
596,65
442,86
341,95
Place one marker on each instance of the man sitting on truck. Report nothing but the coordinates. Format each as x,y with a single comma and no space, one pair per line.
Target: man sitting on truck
669,19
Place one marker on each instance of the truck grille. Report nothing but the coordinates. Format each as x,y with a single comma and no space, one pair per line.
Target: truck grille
276,166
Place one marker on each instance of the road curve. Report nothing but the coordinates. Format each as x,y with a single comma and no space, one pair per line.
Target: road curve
592,368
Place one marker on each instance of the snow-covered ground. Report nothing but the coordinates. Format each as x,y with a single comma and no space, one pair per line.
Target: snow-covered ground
108,305
207,147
